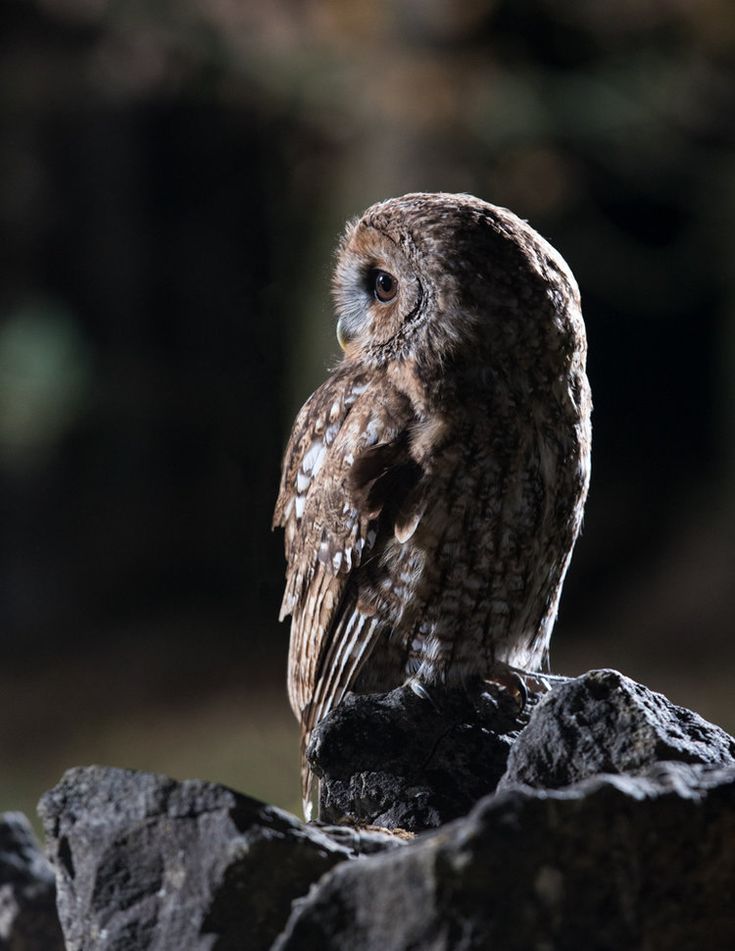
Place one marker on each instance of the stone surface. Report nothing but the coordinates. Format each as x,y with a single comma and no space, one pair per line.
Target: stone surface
612,828
613,862
399,760
146,862
604,722
28,919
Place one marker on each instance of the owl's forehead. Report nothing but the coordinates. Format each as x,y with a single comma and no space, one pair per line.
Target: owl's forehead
435,222
413,227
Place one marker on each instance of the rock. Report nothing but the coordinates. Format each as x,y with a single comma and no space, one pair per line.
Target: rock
28,919
612,827
398,760
144,861
611,862
604,722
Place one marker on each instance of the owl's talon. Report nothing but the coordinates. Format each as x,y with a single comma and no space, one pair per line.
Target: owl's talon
517,688
513,684
420,690
522,693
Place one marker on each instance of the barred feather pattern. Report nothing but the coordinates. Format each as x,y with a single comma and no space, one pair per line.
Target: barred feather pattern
433,486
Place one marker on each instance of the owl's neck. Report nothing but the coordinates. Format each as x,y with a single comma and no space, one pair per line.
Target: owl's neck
474,382
420,383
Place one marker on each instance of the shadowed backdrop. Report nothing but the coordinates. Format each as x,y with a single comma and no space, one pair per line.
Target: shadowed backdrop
173,181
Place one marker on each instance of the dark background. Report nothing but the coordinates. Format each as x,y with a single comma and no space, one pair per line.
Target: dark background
173,179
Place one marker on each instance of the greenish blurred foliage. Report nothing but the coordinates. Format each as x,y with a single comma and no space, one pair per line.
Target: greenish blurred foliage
173,179
44,368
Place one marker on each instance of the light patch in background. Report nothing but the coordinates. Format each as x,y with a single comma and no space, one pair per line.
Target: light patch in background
45,375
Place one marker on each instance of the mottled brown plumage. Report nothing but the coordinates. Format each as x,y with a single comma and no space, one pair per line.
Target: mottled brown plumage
433,485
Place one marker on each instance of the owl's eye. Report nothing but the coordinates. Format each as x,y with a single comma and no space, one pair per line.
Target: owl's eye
383,285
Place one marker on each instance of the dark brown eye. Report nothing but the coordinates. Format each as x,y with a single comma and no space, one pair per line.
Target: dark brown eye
383,285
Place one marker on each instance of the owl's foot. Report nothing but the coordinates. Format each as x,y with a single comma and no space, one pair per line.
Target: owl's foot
538,681
512,682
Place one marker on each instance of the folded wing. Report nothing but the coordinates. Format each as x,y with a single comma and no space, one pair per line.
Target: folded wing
349,484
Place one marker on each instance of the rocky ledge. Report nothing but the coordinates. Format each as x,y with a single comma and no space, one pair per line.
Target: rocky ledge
601,817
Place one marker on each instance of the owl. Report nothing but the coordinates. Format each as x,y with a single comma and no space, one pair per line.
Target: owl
433,486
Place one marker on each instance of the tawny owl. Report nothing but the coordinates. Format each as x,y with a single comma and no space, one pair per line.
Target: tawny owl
433,485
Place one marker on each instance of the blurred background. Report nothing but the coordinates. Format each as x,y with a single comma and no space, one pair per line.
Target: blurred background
173,179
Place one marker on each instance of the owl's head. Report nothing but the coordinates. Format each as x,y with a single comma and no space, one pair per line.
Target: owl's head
443,276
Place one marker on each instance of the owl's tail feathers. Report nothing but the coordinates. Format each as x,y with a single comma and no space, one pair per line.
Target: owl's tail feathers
349,648
307,780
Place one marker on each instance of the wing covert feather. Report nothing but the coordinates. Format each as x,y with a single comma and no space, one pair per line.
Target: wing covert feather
348,453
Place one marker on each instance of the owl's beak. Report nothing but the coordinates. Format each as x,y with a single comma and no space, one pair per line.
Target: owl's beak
343,338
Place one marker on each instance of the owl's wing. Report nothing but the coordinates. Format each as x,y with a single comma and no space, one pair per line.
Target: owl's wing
310,446
346,474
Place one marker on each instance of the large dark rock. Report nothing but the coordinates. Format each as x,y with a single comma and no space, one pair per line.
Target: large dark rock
28,919
399,760
144,861
613,862
604,722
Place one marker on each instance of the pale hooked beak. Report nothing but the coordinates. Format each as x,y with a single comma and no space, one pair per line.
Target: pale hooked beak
343,338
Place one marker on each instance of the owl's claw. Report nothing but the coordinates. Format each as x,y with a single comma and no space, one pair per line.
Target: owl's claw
420,690
510,681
